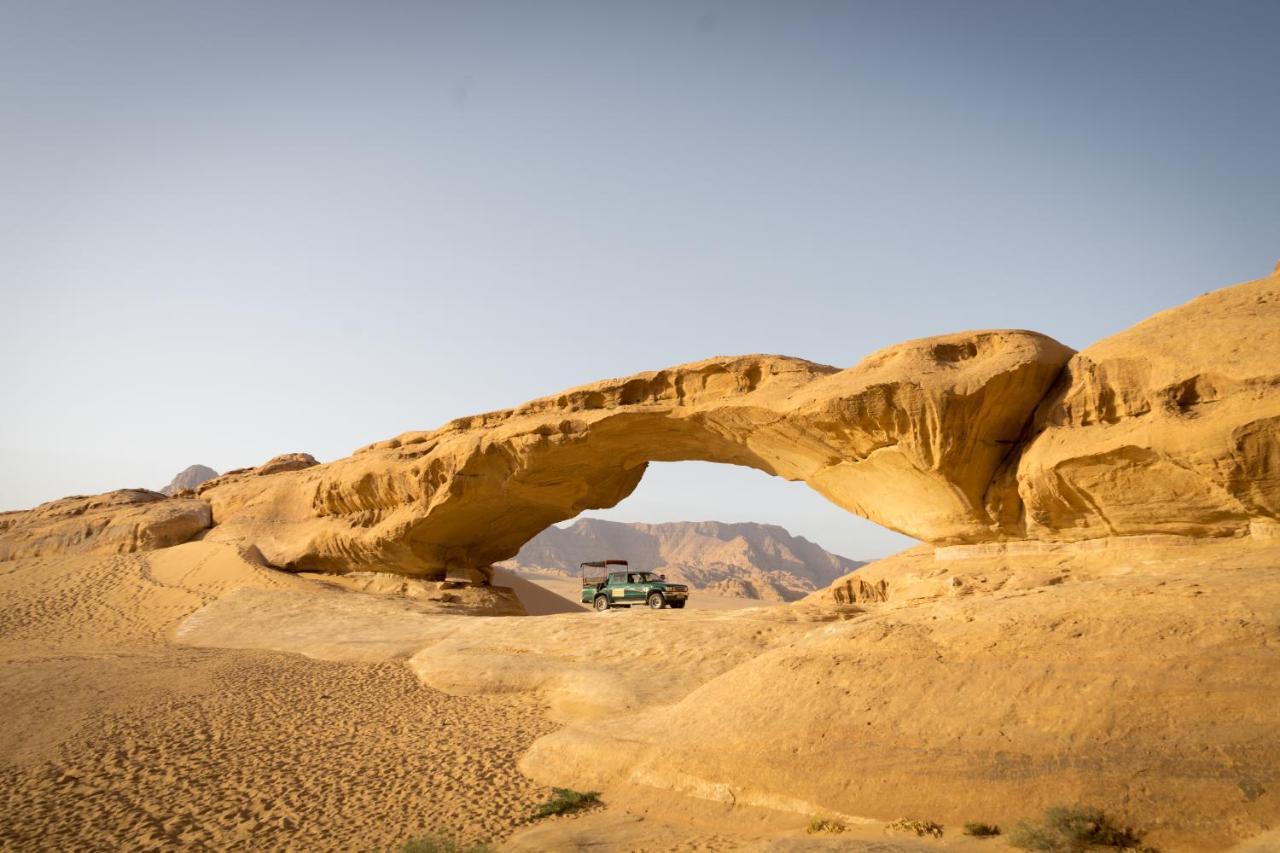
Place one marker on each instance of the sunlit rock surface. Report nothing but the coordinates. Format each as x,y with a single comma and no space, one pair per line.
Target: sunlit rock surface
119,522
910,438
1172,426
967,439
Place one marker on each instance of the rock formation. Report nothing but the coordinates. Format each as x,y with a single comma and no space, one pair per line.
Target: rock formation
745,560
1172,426
188,479
119,522
1095,615
1142,676
911,437
965,439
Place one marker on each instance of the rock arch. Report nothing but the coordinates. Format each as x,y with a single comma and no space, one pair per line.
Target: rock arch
911,438
1168,428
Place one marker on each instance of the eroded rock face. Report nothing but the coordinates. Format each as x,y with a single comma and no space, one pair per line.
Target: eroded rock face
910,438
1172,426
119,522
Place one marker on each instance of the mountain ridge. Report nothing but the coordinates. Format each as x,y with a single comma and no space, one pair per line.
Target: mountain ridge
742,559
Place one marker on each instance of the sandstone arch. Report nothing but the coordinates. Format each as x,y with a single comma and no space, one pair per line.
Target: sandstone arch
1167,428
910,438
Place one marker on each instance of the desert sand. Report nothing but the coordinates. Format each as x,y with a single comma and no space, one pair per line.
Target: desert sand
190,698
1094,616
116,738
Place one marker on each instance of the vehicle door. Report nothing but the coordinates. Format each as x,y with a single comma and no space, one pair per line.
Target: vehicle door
635,589
618,587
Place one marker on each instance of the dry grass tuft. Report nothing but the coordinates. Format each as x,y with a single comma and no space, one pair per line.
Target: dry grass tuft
1075,829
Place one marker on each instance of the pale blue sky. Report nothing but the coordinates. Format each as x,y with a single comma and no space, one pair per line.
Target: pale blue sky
229,230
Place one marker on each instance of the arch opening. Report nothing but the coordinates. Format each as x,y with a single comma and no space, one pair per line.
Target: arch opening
737,536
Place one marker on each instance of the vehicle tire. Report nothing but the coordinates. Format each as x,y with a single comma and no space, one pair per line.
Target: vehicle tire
601,604
655,601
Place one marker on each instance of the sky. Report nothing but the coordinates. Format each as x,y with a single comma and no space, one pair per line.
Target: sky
235,229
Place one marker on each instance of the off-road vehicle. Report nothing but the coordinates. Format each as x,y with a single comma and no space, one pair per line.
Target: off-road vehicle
621,587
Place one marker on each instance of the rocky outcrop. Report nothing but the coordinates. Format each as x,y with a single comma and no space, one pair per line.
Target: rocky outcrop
744,560
983,437
1172,426
979,437
188,479
281,464
910,438
989,686
285,462
119,522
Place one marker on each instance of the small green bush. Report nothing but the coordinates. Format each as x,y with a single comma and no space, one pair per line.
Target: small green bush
566,801
1074,829
440,844
981,830
818,824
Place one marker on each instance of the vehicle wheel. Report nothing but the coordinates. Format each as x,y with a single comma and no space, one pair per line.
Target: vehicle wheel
655,600
601,603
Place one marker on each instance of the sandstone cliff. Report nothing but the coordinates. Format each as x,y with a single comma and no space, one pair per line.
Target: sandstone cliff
746,560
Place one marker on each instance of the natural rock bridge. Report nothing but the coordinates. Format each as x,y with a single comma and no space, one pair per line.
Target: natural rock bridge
910,438
961,439
1167,428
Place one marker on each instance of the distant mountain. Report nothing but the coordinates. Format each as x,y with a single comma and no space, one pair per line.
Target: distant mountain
189,478
748,560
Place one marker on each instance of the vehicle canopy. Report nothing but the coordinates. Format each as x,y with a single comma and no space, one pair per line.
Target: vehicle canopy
600,564
594,580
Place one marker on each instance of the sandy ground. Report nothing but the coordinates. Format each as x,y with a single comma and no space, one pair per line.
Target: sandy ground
189,698
568,590
121,733
115,738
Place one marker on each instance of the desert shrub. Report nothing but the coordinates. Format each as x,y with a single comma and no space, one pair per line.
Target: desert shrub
1073,829
919,827
440,844
566,801
818,824
981,830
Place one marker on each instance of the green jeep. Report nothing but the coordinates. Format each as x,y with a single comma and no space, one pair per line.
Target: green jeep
625,588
